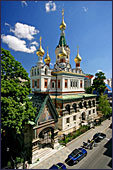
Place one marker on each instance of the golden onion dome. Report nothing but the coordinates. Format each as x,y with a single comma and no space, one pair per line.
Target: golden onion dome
62,25
78,58
47,58
40,51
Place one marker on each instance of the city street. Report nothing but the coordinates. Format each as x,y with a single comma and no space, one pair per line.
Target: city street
95,159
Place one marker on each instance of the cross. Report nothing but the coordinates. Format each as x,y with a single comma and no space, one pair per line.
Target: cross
62,13
78,49
40,40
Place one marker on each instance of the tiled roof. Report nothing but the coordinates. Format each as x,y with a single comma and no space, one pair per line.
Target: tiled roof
75,96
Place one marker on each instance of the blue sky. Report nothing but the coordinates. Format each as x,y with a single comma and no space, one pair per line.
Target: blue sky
89,26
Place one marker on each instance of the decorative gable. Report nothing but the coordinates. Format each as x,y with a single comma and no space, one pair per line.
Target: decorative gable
45,116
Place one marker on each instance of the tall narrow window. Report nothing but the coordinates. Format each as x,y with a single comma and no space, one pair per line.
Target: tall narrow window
58,83
32,83
53,84
45,83
71,83
45,71
66,84
80,83
37,83
67,120
37,71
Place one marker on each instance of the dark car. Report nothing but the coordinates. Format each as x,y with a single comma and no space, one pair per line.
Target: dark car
98,137
58,166
76,156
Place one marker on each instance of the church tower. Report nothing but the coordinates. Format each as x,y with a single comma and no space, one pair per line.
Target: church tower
62,46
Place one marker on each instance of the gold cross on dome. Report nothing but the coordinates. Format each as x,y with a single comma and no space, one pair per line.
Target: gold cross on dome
40,40
77,49
62,13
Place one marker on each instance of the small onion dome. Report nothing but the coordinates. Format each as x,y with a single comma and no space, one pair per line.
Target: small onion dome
62,53
47,58
62,25
40,51
78,58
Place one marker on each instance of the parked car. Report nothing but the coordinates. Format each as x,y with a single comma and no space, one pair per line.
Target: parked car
98,137
58,166
76,156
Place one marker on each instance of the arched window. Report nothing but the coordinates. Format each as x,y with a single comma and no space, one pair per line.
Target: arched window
80,105
68,108
83,116
45,71
53,84
37,71
94,103
85,104
74,107
89,103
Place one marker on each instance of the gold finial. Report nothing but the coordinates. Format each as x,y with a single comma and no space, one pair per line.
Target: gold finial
47,58
40,51
78,57
62,14
63,25
77,49
40,40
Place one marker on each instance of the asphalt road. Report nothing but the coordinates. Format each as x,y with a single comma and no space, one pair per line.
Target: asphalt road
99,157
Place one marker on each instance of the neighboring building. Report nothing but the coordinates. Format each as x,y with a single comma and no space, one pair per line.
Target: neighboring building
88,81
109,82
65,86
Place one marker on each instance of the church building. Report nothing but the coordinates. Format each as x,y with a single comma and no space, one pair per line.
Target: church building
65,87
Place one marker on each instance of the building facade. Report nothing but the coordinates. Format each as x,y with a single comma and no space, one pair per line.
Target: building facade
65,86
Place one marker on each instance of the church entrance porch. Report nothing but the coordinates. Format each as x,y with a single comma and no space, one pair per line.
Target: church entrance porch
46,138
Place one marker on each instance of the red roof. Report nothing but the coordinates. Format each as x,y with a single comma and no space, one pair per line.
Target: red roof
90,76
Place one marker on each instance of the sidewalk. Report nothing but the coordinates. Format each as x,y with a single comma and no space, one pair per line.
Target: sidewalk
60,153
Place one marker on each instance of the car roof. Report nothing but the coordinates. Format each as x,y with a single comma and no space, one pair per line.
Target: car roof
75,152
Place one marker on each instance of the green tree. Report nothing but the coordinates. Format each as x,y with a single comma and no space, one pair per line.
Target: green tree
104,106
16,108
89,90
98,82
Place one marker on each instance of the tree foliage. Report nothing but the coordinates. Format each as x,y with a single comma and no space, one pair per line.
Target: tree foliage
89,90
16,108
98,82
104,105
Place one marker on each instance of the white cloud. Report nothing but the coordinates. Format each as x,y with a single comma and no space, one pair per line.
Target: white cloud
24,3
24,31
99,71
16,44
34,43
50,6
85,9
6,24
